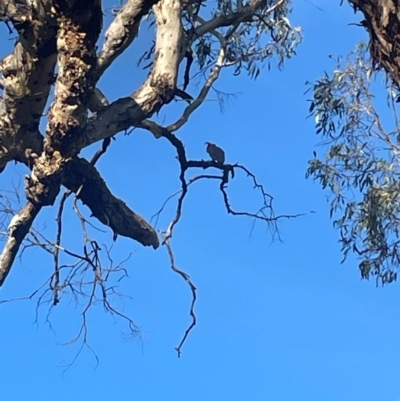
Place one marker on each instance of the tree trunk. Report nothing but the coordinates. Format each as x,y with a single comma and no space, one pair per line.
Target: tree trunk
382,20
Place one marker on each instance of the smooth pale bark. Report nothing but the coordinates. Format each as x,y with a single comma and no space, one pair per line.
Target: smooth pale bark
122,31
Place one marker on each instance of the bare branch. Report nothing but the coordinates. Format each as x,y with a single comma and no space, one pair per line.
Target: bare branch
192,287
209,82
265,213
158,89
55,284
107,208
17,230
122,31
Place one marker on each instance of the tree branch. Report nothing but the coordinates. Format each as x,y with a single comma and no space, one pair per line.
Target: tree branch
111,211
122,31
79,27
156,91
245,13
17,230
206,87
28,73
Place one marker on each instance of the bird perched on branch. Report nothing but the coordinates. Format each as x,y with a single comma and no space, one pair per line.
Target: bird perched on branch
215,152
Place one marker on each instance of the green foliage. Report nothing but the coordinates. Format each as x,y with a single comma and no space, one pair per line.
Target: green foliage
265,36
250,43
361,168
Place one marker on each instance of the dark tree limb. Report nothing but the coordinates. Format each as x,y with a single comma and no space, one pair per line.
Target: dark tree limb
382,21
193,289
108,209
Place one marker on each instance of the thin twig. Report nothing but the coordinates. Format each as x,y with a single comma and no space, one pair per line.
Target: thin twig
193,289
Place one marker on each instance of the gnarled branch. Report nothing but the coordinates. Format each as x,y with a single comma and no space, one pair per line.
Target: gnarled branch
107,208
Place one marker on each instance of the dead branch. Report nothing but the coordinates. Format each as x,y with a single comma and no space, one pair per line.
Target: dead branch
108,209
265,213
186,277
17,230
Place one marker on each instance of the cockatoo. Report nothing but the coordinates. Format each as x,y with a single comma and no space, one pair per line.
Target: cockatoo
215,152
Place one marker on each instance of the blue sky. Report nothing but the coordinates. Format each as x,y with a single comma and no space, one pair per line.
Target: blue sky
276,320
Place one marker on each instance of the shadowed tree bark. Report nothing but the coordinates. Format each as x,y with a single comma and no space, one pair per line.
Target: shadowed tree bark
382,21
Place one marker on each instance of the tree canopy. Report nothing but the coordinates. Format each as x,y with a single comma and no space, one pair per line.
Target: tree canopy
361,165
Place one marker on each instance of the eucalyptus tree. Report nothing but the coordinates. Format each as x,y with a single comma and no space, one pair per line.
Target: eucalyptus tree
361,166
58,58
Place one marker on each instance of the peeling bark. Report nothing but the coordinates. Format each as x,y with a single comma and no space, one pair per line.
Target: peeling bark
79,27
28,75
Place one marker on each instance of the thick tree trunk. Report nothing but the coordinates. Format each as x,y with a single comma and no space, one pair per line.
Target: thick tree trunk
382,20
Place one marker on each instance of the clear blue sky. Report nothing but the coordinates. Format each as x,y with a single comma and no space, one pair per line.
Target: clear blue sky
276,321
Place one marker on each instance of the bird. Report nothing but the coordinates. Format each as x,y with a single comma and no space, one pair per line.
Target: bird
215,152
